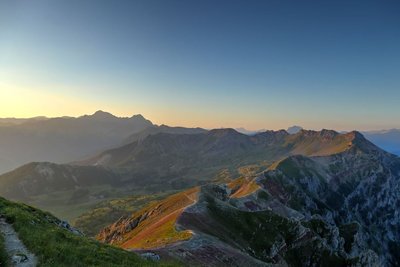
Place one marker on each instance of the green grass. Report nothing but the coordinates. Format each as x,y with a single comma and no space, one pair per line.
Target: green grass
157,224
55,246
257,231
68,204
3,253
109,211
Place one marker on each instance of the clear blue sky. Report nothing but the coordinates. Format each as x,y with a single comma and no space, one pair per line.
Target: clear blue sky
257,64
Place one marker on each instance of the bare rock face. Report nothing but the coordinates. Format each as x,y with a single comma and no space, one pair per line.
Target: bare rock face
150,256
67,226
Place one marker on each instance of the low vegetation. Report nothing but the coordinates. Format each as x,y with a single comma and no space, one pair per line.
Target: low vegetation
109,211
313,252
246,183
3,253
154,226
257,231
56,246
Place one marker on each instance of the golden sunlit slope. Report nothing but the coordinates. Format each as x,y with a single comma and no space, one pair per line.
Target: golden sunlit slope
319,143
246,183
153,226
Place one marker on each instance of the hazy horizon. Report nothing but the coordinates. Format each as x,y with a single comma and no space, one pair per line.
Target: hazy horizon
207,128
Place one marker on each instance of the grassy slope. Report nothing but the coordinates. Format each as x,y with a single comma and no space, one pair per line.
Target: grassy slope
160,230
243,187
109,211
257,232
159,226
246,183
317,145
3,253
55,246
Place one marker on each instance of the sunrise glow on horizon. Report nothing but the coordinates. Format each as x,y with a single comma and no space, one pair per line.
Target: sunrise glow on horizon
237,68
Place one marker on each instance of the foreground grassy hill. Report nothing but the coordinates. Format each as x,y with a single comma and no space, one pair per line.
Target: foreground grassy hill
55,244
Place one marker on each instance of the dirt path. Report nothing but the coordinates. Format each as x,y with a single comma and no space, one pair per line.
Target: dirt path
19,254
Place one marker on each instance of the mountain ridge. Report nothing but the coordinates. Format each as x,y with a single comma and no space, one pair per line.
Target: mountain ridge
310,197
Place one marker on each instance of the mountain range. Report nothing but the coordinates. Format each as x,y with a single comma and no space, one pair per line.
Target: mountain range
335,205
159,162
211,197
388,140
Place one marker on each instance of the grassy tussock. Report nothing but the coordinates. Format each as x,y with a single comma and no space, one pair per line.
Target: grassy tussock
3,253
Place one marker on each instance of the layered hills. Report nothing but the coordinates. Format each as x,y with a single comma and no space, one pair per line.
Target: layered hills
186,159
63,139
68,189
331,201
272,198
158,161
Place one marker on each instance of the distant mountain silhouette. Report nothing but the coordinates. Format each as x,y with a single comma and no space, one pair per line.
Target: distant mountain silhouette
62,139
294,129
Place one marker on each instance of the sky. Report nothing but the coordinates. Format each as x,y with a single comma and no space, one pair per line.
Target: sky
253,64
